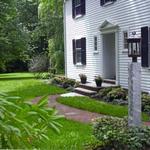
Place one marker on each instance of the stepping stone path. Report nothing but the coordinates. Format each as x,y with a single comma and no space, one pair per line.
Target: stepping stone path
72,113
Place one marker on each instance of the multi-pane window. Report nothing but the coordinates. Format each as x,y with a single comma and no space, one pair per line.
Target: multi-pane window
95,43
103,2
78,51
125,37
78,7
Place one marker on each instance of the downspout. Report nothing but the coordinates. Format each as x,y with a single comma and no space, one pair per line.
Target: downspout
65,47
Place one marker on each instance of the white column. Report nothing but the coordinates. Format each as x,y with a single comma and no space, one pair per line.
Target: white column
134,94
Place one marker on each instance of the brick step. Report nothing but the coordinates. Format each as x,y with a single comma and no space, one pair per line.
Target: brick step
109,81
85,92
90,87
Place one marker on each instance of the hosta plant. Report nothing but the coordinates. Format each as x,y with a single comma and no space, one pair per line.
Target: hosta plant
23,124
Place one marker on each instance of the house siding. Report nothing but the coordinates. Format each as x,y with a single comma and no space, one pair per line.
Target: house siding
129,15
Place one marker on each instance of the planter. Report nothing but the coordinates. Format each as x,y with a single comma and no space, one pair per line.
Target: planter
98,83
83,80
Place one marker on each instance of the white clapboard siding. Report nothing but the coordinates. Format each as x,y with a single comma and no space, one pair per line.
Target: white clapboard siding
129,15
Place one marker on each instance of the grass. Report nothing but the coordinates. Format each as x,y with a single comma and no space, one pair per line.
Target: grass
73,134
26,86
92,105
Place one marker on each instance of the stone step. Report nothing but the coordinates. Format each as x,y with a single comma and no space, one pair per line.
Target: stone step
91,87
85,92
109,81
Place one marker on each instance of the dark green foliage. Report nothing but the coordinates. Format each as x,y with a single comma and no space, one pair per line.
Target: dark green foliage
63,81
117,93
115,134
21,123
146,103
103,93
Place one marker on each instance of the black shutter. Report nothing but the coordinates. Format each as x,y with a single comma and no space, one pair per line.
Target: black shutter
73,8
83,7
102,2
144,46
74,51
83,51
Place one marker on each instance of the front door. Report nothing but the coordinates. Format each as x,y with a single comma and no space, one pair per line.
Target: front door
109,56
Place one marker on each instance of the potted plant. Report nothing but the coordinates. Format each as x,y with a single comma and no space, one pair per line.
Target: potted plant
98,81
83,78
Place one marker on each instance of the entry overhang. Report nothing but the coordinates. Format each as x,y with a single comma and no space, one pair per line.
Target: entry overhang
107,27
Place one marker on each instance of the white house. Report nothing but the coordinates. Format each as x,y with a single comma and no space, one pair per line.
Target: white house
96,33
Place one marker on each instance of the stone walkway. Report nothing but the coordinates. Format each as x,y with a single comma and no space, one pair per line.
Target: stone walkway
72,113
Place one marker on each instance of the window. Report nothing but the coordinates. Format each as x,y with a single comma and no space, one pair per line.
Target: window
125,37
103,2
78,8
79,51
95,43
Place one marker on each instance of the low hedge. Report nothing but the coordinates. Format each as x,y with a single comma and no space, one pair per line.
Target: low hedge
63,81
115,134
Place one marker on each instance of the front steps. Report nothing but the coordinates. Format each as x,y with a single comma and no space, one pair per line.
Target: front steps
83,91
90,89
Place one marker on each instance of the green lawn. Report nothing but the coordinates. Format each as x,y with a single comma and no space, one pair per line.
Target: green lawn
92,105
26,86
73,134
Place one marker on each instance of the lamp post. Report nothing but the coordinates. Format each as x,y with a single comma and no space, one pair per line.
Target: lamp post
134,82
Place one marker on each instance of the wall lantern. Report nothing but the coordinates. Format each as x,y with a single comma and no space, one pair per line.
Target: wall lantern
134,48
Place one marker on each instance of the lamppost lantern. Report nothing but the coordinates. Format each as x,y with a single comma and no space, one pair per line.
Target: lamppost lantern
134,48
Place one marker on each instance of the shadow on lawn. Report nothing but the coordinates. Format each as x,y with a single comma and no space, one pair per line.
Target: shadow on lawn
16,78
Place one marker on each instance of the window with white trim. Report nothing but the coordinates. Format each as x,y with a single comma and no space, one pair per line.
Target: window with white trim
125,37
78,51
78,8
104,2
95,43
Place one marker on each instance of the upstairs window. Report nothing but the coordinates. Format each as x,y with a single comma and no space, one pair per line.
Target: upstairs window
104,2
79,51
78,8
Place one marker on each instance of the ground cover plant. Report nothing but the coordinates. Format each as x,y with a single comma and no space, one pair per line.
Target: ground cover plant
114,133
101,107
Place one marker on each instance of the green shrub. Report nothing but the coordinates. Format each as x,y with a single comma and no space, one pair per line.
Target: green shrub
42,75
146,103
103,92
24,125
64,82
115,134
117,93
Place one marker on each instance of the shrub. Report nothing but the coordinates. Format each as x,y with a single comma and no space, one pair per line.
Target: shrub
23,125
115,134
103,93
117,93
42,75
146,103
64,82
